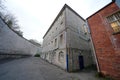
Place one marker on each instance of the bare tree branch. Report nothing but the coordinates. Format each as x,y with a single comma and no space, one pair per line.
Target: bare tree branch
10,19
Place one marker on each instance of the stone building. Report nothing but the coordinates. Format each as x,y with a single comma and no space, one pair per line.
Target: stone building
105,31
66,43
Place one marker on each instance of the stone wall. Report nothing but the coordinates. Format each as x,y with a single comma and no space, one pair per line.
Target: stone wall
78,41
13,44
54,43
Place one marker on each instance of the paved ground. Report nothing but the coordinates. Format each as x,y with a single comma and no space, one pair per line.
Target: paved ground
36,69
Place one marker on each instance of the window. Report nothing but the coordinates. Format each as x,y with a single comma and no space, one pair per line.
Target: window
56,28
61,56
84,28
61,39
51,42
55,42
114,21
54,55
61,22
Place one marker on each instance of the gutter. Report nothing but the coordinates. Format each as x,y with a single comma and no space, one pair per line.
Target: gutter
93,48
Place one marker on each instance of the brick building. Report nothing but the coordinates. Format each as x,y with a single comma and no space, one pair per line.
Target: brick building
105,32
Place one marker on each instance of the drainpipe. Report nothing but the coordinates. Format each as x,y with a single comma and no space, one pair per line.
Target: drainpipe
93,48
67,61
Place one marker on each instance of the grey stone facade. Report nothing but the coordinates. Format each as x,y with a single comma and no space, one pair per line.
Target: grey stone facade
66,40
13,44
118,2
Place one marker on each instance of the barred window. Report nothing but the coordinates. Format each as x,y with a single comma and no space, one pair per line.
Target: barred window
114,21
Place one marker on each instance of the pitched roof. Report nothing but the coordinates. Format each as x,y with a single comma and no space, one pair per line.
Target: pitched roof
65,6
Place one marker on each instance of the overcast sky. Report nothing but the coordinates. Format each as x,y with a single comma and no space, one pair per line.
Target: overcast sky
36,16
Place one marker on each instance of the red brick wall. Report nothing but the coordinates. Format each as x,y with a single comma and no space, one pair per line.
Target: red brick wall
107,45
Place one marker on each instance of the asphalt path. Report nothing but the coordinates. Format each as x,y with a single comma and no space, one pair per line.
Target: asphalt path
34,68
